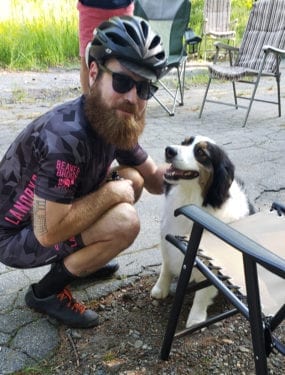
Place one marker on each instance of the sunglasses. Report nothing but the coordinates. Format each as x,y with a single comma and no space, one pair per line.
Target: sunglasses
123,83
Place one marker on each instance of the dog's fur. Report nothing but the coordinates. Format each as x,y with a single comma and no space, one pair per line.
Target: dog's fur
201,173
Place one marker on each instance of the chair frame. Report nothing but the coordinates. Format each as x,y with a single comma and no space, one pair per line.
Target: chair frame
266,51
179,64
262,327
255,75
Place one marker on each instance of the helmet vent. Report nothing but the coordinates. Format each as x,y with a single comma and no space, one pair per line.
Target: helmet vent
132,33
155,42
144,28
117,39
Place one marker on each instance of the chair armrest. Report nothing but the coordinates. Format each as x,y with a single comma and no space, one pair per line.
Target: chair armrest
278,51
220,45
228,48
239,241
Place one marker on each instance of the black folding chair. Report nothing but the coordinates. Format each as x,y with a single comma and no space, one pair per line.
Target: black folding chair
236,259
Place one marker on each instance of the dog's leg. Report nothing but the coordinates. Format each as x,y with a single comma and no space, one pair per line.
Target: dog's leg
162,286
202,300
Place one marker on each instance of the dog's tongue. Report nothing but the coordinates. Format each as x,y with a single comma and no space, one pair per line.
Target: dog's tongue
175,174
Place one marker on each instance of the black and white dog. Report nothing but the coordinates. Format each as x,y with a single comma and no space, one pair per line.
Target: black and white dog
201,173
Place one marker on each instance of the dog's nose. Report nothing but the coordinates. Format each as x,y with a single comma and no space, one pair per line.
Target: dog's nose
170,152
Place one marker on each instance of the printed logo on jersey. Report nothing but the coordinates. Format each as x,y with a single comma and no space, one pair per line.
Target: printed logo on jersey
67,174
23,205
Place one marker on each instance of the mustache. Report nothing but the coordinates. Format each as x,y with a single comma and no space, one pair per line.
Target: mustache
128,107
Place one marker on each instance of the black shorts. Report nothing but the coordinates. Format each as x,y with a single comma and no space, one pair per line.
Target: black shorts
22,250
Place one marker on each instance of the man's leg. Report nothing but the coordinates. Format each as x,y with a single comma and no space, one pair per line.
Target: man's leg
127,173
104,240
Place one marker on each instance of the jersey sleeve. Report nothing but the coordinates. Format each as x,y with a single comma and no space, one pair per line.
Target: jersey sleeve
59,169
133,157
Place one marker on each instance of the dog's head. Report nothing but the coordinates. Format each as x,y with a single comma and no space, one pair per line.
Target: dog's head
200,158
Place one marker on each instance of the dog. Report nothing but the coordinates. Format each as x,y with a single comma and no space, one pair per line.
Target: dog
200,173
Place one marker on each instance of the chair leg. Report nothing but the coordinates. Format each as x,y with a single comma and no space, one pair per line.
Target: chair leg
235,93
179,90
181,80
278,94
255,317
254,90
205,97
181,289
251,100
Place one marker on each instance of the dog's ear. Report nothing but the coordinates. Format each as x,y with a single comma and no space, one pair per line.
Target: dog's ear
223,176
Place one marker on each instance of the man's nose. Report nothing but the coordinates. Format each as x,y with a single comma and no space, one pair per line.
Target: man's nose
131,95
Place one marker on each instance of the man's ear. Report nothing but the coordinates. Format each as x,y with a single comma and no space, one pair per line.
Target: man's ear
93,72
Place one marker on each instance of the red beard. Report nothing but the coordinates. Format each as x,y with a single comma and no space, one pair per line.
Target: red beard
120,132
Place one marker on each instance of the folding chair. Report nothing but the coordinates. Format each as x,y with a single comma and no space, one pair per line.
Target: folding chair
217,23
259,55
236,260
170,20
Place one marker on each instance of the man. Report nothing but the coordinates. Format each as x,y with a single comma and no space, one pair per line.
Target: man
58,204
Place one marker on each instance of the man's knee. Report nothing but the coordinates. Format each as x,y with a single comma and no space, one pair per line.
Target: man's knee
128,222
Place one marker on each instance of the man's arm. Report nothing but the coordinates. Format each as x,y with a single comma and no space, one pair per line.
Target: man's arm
55,222
153,175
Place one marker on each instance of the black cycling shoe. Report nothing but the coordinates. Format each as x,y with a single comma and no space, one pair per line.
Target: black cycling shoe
64,308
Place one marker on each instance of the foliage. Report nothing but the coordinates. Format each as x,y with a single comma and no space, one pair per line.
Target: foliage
37,34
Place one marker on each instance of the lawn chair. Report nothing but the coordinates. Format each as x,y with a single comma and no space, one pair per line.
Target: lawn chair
259,55
235,258
170,20
217,22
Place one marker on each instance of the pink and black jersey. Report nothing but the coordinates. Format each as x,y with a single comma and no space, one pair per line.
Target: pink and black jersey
58,157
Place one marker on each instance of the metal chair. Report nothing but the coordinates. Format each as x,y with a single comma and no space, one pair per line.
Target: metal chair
259,55
217,23
236,260
170,20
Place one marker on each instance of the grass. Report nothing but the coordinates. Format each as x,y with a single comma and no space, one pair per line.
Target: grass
37,34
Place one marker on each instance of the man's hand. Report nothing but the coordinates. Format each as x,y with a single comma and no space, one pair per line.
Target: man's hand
123,189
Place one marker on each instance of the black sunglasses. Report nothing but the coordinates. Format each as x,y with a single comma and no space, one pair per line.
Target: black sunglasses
123,83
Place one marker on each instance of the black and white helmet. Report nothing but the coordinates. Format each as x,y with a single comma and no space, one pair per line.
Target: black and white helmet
131,40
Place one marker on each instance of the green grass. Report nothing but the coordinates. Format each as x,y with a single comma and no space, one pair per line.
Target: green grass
37,34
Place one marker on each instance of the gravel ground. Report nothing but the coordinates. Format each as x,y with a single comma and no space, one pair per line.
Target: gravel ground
129,337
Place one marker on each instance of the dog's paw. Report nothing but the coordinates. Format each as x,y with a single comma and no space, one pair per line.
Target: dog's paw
158,292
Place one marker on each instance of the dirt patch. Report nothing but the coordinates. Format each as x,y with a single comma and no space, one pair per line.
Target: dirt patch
129,337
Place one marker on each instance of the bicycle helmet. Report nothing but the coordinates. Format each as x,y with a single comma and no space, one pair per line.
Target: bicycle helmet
132,41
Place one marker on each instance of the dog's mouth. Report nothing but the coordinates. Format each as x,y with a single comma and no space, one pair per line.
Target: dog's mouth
177,174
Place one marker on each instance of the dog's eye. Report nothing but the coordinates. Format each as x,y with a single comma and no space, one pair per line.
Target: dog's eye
200,151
